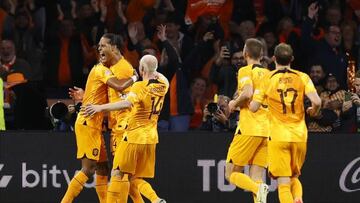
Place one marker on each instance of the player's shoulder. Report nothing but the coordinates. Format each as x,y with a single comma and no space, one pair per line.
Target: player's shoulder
100,69
99,66
244,73
139,84
303,76
257,68
246,68
125,63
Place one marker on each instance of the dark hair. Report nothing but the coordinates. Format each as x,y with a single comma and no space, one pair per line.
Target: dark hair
254,48
114,39
317,65
199,78
283,54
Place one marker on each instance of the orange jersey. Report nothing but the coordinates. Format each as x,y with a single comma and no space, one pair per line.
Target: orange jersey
122,70
253,124
147,99
96,92
284,91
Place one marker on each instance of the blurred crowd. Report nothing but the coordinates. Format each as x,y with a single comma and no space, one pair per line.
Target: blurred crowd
48,46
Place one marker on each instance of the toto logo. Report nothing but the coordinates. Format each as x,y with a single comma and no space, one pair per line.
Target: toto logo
350,177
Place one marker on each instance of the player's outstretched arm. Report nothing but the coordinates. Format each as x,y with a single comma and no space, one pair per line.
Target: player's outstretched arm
315,104
92,109
120,85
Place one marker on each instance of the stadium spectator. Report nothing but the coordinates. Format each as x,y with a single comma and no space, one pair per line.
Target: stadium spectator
224,69
27,34
268,33
332,100
325,52
10,63
349,45
333,14
221,119
317,76
198,88
64,56
290,34
2,116
177,105
351,109
221,10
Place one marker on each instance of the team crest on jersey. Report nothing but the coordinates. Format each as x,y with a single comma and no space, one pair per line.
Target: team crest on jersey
95,152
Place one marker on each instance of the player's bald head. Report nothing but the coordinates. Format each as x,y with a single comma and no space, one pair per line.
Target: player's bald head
149,63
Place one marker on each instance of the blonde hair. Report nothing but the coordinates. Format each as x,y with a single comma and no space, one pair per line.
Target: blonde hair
149,63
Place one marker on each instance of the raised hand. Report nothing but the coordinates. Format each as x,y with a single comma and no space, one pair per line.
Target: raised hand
120,12
355,99
161,32
224,54
76,94
13,5
133,32
60,12
95,5
208,36
103,9
221,117
313,10
73,9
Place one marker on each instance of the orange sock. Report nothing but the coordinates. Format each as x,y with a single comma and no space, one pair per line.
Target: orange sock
75,186
244,182
118,190
285,195
101,184
135,193
296,188
145,189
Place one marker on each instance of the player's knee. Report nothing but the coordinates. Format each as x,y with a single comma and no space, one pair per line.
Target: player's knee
89,170
102,168
88,167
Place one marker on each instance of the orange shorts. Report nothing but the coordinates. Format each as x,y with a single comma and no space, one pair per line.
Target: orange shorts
135,159
248,150
117,130
286,158
90,143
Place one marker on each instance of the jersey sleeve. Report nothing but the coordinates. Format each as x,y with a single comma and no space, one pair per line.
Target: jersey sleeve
244,78
104,74
260,93
136,93
309,86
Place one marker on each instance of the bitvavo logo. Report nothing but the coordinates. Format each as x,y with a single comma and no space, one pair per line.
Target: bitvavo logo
350,177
